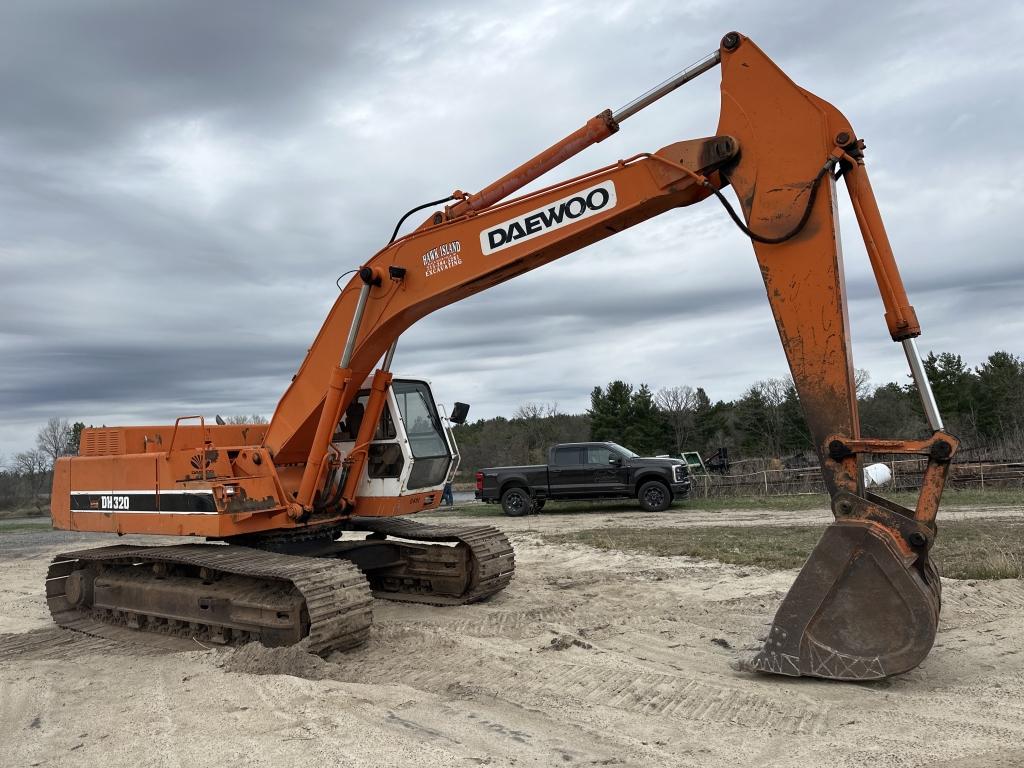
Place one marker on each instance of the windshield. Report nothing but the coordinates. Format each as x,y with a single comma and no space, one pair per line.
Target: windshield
421,422
624,451
423,428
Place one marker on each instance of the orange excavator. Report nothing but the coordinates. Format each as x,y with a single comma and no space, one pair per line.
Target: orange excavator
303,516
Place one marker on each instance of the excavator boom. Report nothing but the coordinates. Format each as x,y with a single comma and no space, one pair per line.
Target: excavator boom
866,603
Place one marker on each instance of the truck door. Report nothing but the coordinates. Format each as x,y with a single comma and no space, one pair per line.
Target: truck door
567,476
607,470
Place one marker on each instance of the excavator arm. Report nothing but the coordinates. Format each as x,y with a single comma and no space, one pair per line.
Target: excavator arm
866,603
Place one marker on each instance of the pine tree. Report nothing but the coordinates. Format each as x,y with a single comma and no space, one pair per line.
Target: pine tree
629,417
892,411
610,412
953,385
711,423
648,433
754,423
76,437
1000,397
795,436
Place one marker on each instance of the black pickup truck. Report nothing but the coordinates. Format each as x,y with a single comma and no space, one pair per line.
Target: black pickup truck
585,471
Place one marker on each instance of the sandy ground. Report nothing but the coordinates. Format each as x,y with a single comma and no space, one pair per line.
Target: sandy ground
588,658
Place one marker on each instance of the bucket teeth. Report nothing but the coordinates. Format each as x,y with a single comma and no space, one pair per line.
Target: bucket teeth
861,608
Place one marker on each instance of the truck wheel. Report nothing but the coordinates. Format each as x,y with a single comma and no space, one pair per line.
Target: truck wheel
654,496
516,502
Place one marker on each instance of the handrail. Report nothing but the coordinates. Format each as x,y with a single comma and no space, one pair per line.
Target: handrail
177,421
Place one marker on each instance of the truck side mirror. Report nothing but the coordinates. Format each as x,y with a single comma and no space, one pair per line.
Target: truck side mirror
459,413
615,460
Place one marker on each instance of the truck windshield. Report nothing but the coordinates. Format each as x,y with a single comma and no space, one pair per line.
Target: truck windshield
624,451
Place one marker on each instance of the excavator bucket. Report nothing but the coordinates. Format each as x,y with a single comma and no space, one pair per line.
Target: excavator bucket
863,607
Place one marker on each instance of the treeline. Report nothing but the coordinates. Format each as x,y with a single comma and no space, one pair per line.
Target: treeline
25,479
983,406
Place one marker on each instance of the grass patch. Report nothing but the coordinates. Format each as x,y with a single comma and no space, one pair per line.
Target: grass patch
25,511
985,549
968,497
981,549
995,497
21,526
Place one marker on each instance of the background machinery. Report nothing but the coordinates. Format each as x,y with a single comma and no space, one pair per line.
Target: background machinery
352,448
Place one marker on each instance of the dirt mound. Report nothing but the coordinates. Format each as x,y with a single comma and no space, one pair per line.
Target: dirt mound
256,659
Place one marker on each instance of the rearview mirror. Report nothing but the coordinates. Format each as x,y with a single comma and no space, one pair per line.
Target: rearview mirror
459,413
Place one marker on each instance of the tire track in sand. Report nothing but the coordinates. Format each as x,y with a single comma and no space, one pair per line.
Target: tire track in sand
56,644
439,670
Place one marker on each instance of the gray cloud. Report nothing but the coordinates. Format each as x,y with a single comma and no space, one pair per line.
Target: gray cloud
181,183
99,70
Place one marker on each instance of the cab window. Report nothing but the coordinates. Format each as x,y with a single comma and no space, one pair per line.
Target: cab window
568,457
348,427
598,454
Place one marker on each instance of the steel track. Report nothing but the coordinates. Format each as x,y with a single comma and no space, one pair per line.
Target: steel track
337,597
491,562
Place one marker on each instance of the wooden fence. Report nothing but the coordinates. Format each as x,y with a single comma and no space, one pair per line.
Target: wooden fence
761,479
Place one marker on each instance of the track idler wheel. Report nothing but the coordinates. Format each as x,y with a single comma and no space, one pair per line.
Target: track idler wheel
864,606
80,587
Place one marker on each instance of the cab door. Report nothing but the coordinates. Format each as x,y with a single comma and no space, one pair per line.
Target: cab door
385,458
566,474
424,434
607,470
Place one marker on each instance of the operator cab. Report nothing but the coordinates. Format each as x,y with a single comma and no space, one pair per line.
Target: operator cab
413,449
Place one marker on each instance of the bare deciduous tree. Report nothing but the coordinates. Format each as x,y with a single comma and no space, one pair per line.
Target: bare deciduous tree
761,414
539,427
32,462
862,381
678,404
535,411
252,418
33,467
54,439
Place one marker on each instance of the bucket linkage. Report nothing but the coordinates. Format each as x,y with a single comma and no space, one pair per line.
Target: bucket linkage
866,603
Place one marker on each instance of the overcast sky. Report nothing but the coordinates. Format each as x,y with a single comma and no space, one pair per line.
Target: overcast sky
182,181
